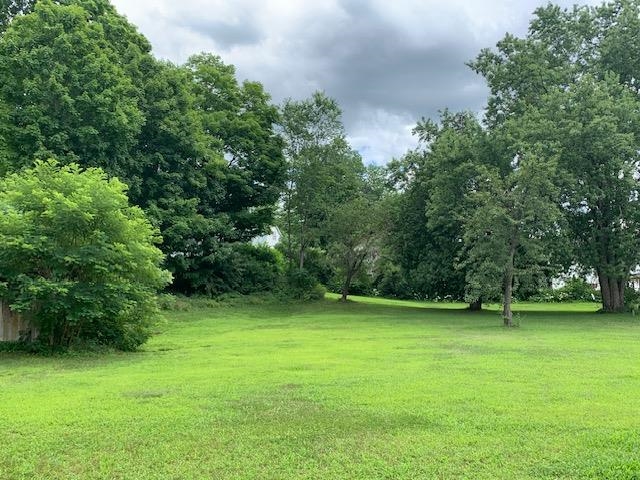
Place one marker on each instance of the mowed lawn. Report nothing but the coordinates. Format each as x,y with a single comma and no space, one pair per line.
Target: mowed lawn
365,390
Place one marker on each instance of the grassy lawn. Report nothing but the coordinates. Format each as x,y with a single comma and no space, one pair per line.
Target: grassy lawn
368,390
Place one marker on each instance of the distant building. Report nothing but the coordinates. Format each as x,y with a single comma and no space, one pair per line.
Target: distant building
269,240
634,279
592,279
13,327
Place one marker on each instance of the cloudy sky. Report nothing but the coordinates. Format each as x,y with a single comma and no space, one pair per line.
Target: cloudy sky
388,63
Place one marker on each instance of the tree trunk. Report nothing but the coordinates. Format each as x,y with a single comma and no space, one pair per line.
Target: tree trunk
476,305
612,291
289,232
346,285
301,254
507,314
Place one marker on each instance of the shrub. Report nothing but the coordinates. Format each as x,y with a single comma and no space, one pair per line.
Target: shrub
392,283
235,268
302,285
77,261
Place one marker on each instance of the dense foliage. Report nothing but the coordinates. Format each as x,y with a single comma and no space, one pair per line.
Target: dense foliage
77,261
573,82
197,150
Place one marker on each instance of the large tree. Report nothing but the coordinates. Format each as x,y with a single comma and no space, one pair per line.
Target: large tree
514,212
353,229
197,149
178,176
66,91
426,237
593,126
242,119
579,68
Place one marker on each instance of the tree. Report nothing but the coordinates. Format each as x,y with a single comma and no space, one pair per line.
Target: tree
178,179
198,151
66,92
324,172
428,227
579,72
593,126
514,213
241,118
353,230
76,260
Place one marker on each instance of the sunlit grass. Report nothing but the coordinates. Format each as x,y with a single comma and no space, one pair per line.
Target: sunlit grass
367,389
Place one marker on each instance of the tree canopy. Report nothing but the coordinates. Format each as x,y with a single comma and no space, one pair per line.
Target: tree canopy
197,150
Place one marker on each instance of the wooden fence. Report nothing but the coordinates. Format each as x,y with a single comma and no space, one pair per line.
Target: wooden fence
12,326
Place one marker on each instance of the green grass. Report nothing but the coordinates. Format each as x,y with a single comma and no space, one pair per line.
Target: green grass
370,389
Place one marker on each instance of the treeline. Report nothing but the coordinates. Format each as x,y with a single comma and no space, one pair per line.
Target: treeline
547,181
211,161
483,210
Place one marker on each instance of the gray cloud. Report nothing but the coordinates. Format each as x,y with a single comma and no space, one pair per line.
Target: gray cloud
387,63
226,35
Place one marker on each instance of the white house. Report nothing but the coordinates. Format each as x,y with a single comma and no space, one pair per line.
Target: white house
269,240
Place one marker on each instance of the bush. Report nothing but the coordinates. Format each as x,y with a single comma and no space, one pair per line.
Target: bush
317,264
302,285
75,259
235,268
392,283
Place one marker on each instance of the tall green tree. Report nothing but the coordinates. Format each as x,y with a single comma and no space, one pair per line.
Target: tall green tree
178,178
242,119
427,232
504,234
354,229
66,92
593,126
323,171
198,151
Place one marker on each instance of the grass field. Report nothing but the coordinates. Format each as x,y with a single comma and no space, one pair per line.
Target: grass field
367,390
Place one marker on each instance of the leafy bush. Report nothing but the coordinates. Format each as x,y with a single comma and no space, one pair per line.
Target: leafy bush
235,268
392,283
302,285
76,260
317,264
632,300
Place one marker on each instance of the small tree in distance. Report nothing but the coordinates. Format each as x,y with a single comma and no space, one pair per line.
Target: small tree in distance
76,260
352,233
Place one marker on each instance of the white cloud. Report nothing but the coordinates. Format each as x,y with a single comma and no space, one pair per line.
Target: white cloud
380,136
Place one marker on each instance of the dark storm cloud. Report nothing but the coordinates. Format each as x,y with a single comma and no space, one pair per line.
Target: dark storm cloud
380,66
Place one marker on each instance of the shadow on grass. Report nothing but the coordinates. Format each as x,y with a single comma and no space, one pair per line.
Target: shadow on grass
75,360
577,312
